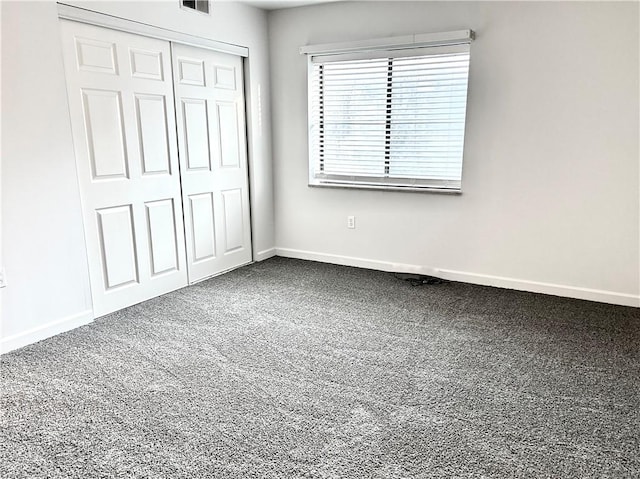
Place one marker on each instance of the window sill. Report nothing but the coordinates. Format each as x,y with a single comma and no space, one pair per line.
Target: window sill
412,189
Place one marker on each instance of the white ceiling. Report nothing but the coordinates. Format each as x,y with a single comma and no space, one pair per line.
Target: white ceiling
276,4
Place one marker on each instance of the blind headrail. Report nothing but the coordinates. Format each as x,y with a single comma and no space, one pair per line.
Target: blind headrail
392,43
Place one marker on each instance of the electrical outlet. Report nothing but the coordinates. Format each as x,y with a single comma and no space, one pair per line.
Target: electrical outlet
351,222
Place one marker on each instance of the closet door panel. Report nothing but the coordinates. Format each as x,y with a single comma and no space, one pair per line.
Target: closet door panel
213,155
123,122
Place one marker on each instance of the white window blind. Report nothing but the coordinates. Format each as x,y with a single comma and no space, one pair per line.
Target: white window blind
389,119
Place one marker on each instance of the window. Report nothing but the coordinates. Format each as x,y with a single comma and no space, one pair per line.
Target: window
392,118
201,6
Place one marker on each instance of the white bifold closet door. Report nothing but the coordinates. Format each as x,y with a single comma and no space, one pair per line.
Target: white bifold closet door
213,159
123,117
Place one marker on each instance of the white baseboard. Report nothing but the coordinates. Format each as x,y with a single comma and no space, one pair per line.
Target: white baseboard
353,261
45,331
601,296
265,254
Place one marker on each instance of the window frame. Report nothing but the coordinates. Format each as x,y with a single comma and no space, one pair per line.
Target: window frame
419,45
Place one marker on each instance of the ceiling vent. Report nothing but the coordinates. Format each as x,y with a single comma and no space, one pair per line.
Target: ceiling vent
201,6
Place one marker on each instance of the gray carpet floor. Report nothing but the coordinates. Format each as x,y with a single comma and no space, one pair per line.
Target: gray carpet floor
294,369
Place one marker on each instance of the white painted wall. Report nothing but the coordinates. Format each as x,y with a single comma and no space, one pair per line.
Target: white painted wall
42,246
551,177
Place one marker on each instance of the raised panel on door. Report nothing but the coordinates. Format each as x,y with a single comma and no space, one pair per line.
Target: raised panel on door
163,234
123,123
118,247
151,113
212,143
233,224
104,125
228,135
190,71
96,55
146,64
225,77
202,228
200,233
196,134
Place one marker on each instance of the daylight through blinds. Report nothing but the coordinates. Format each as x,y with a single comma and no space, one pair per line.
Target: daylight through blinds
389,119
